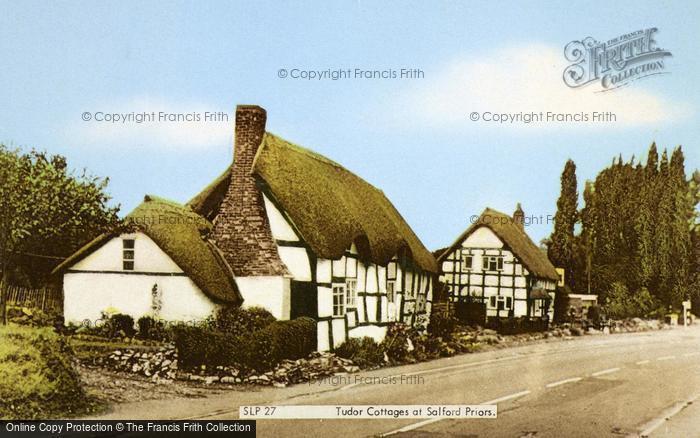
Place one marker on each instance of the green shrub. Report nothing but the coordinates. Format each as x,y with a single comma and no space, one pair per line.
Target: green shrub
364,352
280,340
261,350
151,328
31,317
237,321
441,325
201,345
620,303
396,343
118,325
36,376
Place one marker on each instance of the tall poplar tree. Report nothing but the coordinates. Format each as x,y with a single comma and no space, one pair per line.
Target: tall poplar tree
561,248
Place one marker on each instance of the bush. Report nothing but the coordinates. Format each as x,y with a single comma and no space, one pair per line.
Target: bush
261,350
364,352
279,340
397,343
621,304
594,315
118,325
36,376
151,328
201,345
237,321
561,304
441,325
32,317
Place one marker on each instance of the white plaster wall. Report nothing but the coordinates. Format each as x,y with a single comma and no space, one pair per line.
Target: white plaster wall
520,308
375,332
297,261
338,331
323,343
381,270
482,237
278,224
339,267
371,308
323,271
98,282
351,267
325,301
270,292
87,295
372,285
148,257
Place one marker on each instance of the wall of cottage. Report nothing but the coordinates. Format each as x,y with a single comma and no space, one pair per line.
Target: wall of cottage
504,290
372,306
98,283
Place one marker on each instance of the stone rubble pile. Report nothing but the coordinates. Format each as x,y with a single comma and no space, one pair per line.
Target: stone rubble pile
316,366
157,364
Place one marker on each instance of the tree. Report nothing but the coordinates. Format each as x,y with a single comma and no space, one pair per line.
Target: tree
561,304
636,230
561,247
644,220
46,211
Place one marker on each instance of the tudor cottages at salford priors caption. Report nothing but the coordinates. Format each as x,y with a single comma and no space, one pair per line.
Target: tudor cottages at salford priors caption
494,270
282,228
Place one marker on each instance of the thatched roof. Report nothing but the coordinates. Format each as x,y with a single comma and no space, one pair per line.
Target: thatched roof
182,234
330,206
513,235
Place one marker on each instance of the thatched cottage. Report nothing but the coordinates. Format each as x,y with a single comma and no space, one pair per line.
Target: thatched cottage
294,232
494,270
160,265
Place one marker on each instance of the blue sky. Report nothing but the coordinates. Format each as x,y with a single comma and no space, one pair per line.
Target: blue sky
411,138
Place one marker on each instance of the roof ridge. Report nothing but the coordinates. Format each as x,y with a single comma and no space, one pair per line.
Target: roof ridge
308,152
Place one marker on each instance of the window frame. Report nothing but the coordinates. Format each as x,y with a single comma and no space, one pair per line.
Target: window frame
128,254
493,263
339,295
350,293
467,266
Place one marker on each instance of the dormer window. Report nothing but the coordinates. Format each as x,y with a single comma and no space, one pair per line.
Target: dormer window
128,254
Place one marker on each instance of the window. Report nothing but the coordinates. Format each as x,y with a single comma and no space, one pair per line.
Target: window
391,290
493,263
128,254
467,261
339,300
351,292
500,303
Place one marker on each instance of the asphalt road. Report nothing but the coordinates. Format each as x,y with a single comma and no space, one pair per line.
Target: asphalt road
640,384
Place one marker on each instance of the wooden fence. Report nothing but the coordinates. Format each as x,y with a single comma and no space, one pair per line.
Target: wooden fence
47,299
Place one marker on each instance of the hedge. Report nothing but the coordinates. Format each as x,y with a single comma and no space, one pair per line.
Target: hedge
261,350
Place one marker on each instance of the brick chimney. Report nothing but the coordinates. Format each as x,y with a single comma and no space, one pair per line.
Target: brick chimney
519,216
241,228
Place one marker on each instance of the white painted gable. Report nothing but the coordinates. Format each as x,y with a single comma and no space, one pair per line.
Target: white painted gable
148,257
482,237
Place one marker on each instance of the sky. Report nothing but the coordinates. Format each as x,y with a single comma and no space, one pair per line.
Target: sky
411,137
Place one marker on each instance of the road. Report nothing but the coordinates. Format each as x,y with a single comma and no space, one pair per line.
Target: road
641,384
